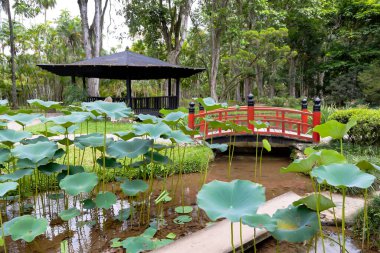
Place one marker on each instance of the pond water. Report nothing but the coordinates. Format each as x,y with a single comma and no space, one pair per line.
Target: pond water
93,229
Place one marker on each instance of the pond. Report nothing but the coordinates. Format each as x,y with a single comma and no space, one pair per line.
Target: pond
95,228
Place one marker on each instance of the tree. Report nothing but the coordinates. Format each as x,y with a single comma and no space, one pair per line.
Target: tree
46,4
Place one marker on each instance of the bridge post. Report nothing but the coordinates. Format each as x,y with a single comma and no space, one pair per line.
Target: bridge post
250,112
202,122
191,119
316,118
304,117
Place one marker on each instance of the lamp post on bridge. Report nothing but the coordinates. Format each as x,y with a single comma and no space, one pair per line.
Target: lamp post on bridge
250,111
304,117
316,118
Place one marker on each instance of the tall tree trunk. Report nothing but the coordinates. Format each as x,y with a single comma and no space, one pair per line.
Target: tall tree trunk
259,81
7,6
292,77
237,92
247,87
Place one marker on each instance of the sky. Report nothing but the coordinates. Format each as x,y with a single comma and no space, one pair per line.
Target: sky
113,24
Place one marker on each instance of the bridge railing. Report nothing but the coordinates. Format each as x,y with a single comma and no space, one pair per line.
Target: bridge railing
291,123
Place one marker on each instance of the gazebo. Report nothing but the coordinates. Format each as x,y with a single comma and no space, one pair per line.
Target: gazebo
129,66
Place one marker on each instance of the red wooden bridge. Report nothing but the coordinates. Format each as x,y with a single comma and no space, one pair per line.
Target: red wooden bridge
283,125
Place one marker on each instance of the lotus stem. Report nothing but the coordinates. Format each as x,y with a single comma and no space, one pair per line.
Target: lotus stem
254,240
67,152
229,158
241,236
343,218
335,220
104,151
232,238
365,232
257,150
2,231
260,166
341,146
319,218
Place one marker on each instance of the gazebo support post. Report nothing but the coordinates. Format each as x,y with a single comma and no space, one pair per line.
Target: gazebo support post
169,87
73,80
129,93
177,81
84,83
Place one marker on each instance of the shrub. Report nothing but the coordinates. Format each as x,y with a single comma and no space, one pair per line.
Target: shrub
367,130
373,223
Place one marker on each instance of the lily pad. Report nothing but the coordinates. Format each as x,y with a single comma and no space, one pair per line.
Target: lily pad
209,103
6,187
232,200
183,209
105,200
5,155
27,228
147,118
116,243
88,204
334,129
34,140
51,168
78,183
73,170
182,219
9,136
22,119
343,175
110,109
157,158
16,175
35,152
312,200
260,221
171,236
132,188
93,140
110,162
123,214
45,105
69,214
125,136
67,121
295,224
130,149
154,131
173,117
178,136
267,145
137,244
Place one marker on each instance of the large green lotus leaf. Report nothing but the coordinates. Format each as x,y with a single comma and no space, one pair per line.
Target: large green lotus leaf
312,200
8,224
45,105
125,136
179,109
67,121
5,155
334,129
221,147
182,219
27,228
16,175
214,124
267,145
154,131
6,187
260,221
28,164
295,224
123,214
69,214
183,209
147,118
367,166
88,204
157,158
105,200
340,175
113,110
65,141
188,131
22,118
61,130
138,164
130,149
35,152
149,232
231,200
178,136
160,147
309,150
137,244
34,140
59,153
173,117
51,168
301,165
131,188
9,136
93,140
259,124
209,103
327,156
161,243
78,183
110,162
72,171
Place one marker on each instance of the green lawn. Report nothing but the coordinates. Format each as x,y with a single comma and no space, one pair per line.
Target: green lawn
93,127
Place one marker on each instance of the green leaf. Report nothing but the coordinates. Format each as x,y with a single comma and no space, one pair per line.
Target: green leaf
16,175
138,244
69,214
34,140
326,157
178,136
295,224
110,162
367,166
267,145
5,155
125,136
149,232
27,228
67,121
334,129
301,165
6,187
154,131
173,117
123,214
88,204
10,137
220,147
132,188
147,118
157,158
35,152
73,170
22,118
183,209
105,200
171,236
231,200
116,243
45,105
312,200
130,149
259,124
182,219
62,130
209,103
110,109
93,140
343,175
78,183
260,221
51,168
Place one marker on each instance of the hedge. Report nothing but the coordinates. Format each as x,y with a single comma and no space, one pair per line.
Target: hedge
367,130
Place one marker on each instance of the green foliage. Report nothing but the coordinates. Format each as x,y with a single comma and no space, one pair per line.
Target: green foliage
367,130
370,81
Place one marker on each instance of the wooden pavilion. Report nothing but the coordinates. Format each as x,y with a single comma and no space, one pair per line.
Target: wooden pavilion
129,66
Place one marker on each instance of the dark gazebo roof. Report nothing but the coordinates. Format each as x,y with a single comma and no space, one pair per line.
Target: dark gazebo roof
124,66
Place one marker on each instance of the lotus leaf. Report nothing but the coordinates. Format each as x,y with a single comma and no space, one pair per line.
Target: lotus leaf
309,150
161,243
131,188
231,200
312,200
123,214
221,147
157,158
116,243
188,131
88,204
267,145
147,118
154,131
183,209
9,136
174,117
73,170
259,124
182,219
26,163
130,149
22,119
93,140
163,197
6,187
105,200
334,129
56,196
67,121
137,244
113,110
125,136
160,147
35,152
178,136
214,124
65,141
34,140
209,103
59,153
260,221
78,183
8,224
16,175
326,157
167,111
343,175
69,214
367,166
62,130
301,165
27,228
51,168
5,154
171,236
295,224
110,162
45,105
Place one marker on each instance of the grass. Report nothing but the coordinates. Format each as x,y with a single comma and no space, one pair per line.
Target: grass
93,127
